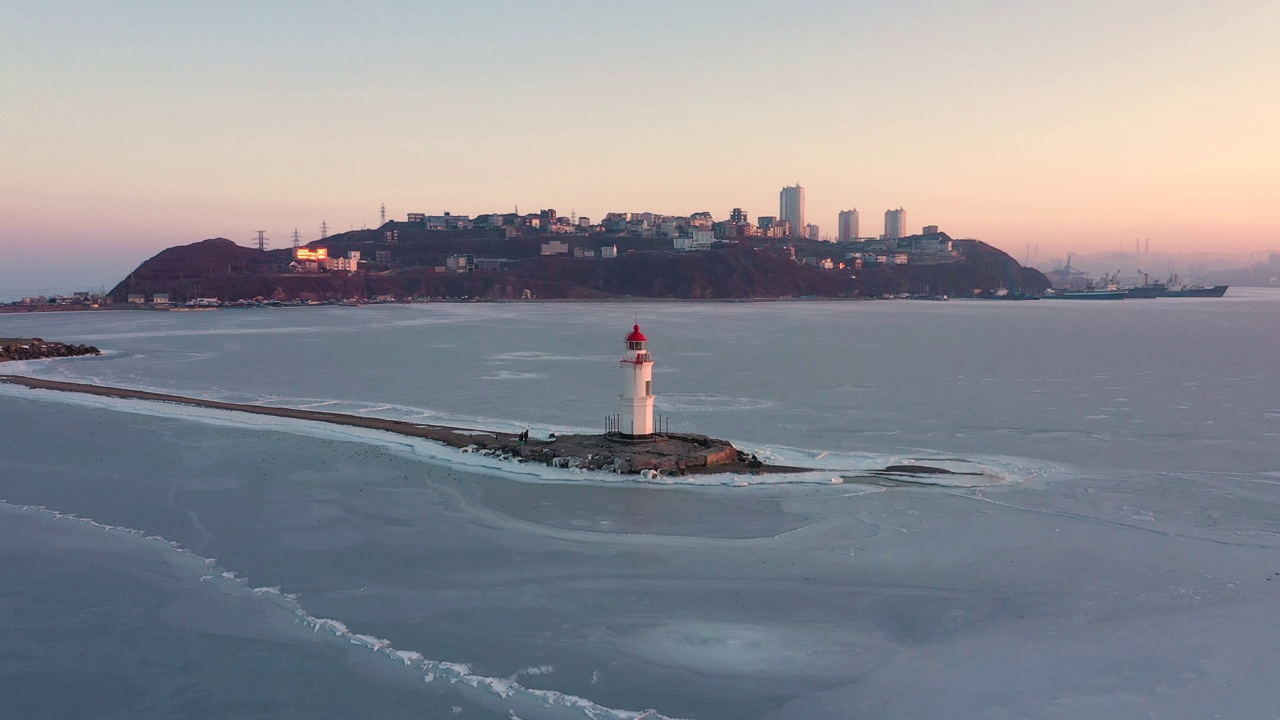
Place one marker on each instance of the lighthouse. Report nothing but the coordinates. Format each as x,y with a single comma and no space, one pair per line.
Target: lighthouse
637,387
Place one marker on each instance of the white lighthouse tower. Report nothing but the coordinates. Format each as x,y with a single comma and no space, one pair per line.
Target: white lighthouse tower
637,387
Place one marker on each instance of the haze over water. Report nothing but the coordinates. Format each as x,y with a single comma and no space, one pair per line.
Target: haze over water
1118,558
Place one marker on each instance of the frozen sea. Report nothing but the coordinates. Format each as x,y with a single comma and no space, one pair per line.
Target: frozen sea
1117,556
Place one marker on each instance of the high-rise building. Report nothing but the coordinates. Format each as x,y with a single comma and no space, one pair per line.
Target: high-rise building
791,207
895,223
848,225
811,232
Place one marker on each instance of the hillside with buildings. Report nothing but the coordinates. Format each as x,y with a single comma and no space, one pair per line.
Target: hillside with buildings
455,257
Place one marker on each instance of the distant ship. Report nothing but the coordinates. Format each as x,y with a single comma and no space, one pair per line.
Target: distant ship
1148,289
1086,294
1173,288
1177,289
1003,294
1107,291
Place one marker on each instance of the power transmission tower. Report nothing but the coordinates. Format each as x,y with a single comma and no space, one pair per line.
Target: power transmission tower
297,239
383,214
262,241
324,229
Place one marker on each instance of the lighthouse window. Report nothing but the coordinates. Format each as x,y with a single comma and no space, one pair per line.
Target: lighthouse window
635,345
648,387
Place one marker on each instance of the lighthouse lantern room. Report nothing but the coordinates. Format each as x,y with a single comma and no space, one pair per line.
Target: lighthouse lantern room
637,387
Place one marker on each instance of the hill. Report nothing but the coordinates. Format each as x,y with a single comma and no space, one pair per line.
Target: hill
220,268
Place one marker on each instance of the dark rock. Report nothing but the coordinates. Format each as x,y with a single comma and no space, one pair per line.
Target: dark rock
37,349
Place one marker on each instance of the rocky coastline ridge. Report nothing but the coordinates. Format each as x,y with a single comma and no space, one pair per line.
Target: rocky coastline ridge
39,349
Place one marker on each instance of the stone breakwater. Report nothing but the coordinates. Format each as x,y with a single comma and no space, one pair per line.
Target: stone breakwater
668,454
39,349
665,454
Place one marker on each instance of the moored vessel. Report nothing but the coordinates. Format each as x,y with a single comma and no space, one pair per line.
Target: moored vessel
1086,294
1107,290
1178,289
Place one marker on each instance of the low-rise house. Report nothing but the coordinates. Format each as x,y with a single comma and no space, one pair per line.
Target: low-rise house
701,220
350,263
689,243
448,221
930,244
460,263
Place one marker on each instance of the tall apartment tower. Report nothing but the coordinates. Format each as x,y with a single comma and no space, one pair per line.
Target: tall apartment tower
791,208
895,224
848,225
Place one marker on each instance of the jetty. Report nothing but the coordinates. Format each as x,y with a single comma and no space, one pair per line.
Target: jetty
631,444
674,453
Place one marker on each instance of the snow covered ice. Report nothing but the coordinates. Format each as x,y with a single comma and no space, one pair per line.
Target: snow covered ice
1117,556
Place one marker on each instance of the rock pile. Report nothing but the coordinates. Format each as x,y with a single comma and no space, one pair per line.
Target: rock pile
38,349
670,454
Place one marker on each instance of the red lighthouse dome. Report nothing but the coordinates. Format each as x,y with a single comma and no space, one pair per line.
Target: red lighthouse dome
636,335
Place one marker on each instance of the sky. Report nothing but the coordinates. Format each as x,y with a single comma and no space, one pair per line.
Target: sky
1074,126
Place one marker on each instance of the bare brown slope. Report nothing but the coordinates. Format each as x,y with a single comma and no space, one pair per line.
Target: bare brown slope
181,269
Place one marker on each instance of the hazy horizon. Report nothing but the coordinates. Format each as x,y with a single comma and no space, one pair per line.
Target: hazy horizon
132,128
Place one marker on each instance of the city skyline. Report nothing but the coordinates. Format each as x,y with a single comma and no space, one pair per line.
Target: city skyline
134,128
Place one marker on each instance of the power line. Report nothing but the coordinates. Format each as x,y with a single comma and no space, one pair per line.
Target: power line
51,108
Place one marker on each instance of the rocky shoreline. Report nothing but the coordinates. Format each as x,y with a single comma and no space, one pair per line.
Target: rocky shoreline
39,349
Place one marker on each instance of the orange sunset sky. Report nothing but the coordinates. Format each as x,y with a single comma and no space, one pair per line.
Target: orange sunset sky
128,127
